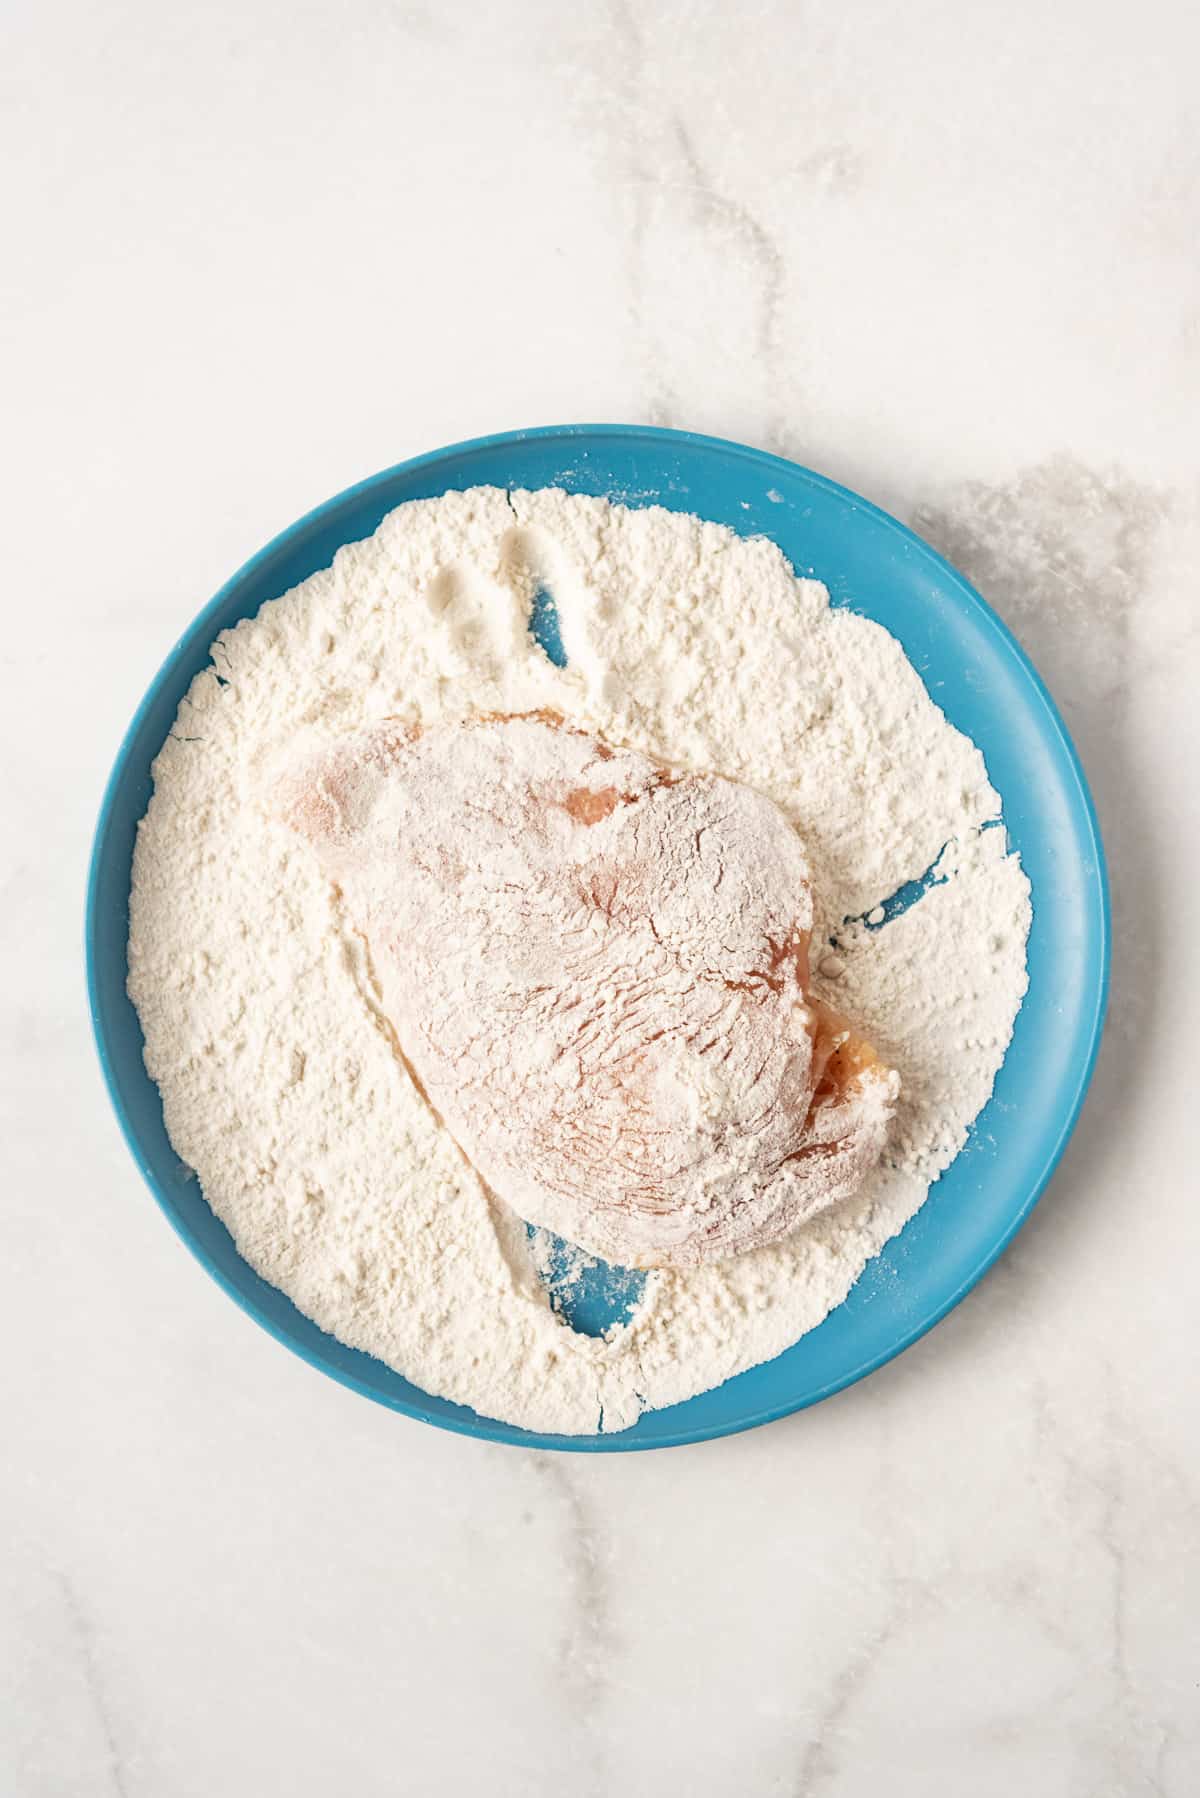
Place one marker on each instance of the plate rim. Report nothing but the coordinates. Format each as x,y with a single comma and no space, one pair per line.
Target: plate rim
475,1424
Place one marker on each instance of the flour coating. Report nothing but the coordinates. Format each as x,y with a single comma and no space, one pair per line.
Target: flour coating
597,970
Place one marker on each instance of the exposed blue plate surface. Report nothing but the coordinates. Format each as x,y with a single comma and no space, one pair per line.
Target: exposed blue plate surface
987,687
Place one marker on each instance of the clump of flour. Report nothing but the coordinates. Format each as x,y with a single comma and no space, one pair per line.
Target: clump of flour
279,1078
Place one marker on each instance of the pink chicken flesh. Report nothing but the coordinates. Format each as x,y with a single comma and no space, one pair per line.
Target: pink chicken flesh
596,969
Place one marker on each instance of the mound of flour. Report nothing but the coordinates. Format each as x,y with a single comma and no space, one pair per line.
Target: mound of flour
279,1081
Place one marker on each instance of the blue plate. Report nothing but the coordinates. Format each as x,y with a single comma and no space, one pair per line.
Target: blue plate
976,672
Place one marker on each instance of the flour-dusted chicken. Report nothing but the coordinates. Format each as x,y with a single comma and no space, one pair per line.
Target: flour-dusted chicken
596,967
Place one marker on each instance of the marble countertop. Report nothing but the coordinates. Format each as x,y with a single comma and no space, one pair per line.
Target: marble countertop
944,254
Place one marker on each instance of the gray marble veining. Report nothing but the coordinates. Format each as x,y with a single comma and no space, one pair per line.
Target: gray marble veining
589,1647
83,1635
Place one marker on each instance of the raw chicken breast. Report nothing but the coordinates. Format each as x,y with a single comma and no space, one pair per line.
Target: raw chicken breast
596,968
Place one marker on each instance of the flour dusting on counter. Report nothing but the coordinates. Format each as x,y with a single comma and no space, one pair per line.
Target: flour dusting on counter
280,1082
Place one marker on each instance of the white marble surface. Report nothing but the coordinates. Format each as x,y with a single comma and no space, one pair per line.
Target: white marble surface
948,254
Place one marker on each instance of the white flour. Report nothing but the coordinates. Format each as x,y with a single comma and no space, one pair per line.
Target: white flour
283,1091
